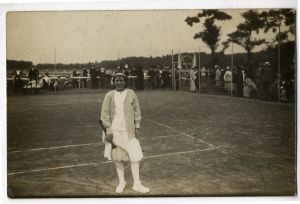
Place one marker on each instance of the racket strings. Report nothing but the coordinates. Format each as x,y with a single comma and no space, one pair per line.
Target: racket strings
118,154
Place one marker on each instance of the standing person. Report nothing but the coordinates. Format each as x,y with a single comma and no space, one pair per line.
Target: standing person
33,75
75,74
203,73
192,74
84,74
234,75
18,83
258,81
218,77
169,78
266,81
133,73
126,70
160,81
151,74
222,70
108,76
213,73
156,77
121,116
93,73
239,82
197,79
102,77
177,70
164,76
228,80
98,77
140,78
209,71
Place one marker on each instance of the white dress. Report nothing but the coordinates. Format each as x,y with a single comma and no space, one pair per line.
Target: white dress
119,130
192,74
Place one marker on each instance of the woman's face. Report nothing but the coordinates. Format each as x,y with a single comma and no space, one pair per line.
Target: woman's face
120,83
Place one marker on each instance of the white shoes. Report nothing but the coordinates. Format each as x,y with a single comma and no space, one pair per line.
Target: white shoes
136,187
140,188
120,187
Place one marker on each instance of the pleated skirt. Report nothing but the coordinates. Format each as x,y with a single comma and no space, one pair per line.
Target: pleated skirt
124,145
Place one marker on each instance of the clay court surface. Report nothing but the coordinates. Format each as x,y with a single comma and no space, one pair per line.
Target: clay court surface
194,145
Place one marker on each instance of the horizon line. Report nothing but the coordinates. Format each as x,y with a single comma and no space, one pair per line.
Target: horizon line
116,60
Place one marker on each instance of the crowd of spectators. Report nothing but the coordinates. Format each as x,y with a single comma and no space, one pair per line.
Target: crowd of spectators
262,83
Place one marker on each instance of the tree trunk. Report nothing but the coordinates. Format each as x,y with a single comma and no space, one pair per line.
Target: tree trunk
213,57
249,62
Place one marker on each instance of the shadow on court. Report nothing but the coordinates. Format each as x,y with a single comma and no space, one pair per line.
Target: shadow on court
194,145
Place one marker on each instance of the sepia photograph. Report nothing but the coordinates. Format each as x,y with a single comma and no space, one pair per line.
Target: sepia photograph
151,103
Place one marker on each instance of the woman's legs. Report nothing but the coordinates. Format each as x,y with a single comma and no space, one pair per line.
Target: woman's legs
120,172
137,186
135,172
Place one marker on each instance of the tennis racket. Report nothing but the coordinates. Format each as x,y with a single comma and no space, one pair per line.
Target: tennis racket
117,153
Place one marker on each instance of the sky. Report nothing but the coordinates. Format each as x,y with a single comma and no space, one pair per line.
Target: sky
89,36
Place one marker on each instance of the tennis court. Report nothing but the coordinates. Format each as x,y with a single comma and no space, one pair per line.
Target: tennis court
194,145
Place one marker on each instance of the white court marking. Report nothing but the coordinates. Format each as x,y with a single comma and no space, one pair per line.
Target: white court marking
106,162
183,133
57,104
212,147
56,147
85,144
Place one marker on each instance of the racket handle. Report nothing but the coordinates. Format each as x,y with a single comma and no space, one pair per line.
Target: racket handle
102,126
104,129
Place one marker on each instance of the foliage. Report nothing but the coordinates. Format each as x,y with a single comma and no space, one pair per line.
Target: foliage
14,64
275,18
287,55
243,34
211,34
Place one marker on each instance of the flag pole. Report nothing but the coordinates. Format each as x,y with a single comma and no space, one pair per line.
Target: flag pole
231,85
55,84
172,69
119,58
278,56
199,74
179,71
55,59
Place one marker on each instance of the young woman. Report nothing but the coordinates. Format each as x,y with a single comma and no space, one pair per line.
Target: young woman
121,116
192,74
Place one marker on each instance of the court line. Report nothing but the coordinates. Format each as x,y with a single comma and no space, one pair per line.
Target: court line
56,147
185,134
106,162
55,104
162,136
84,144
184,152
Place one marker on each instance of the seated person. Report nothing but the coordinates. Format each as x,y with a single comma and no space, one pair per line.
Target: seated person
250,88
33,85
46,82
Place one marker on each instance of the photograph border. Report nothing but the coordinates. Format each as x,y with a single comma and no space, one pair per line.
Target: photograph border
7,6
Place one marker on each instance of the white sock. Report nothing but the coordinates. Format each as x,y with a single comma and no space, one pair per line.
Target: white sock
135,172
120,171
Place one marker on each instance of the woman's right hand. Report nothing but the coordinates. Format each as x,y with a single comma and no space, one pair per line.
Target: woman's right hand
109,137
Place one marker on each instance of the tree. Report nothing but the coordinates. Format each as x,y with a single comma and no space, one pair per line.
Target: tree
211,34
274,20
14,64
243,35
